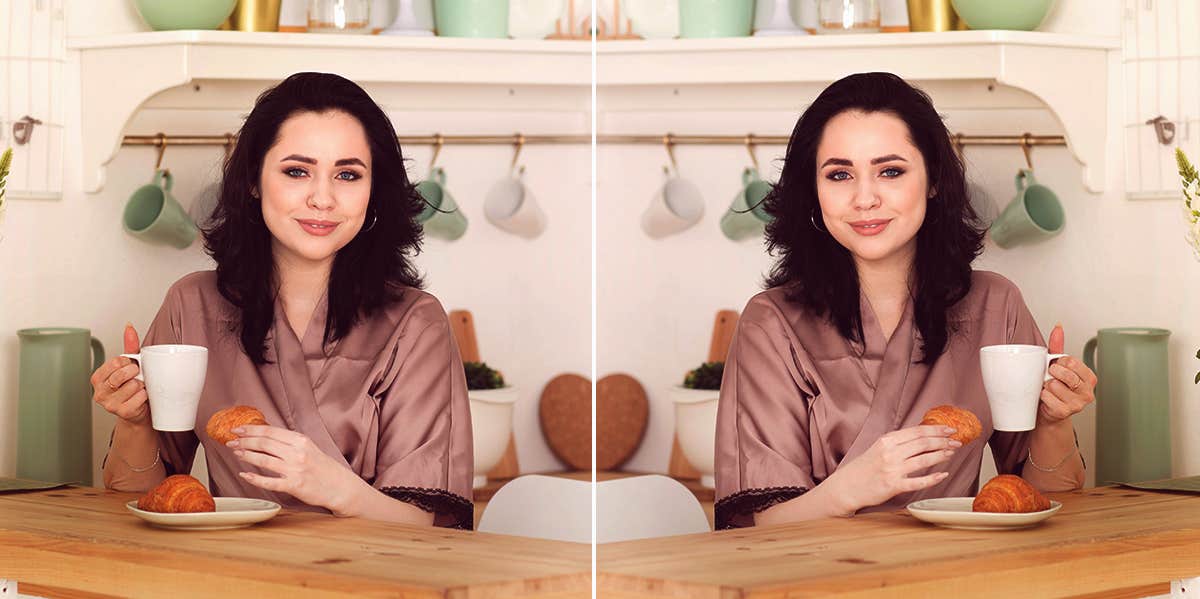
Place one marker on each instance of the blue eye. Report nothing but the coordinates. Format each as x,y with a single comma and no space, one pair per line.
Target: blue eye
892,172
838,176
295,172
353,176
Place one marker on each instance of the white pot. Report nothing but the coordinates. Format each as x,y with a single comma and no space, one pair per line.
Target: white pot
491,427
696,428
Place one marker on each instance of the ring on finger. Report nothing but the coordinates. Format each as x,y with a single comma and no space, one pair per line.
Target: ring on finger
111,387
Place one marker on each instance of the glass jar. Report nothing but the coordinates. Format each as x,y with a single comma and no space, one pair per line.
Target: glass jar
339,16
848,16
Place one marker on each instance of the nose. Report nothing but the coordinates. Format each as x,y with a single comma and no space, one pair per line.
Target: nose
866,196
321,197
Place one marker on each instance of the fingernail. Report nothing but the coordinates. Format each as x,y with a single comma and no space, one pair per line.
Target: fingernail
238,431
233,443
128,324
239,453
955,443
950,431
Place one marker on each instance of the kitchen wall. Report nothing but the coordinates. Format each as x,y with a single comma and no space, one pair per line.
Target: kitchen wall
1117,263
68,263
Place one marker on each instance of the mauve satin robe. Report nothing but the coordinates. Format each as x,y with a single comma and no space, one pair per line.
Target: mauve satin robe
388,401
798,399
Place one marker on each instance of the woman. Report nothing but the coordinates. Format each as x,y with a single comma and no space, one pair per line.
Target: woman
872,316
315,316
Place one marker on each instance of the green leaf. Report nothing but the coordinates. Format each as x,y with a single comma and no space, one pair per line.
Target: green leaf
1197,378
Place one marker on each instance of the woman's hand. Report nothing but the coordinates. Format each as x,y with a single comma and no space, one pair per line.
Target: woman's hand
305,472
883,472
1072,388
117,391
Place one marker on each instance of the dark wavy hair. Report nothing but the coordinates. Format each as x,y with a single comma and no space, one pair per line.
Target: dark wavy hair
370,271
818,272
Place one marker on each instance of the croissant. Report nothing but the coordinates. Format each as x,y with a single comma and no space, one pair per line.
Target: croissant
221,424
965,422
179,493
1008,493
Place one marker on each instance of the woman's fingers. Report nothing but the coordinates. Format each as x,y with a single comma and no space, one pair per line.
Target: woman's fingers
262,460
133,407
265,445
265,482
925,460
922,482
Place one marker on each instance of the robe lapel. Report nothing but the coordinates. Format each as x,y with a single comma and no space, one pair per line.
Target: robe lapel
295,379
888,398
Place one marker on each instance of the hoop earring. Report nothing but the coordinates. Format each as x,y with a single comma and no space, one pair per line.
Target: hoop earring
812,218
374,219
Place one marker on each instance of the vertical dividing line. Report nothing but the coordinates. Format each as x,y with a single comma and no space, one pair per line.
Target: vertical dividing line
595,373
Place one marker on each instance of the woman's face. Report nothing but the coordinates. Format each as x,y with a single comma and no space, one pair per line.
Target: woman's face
316,185
872,185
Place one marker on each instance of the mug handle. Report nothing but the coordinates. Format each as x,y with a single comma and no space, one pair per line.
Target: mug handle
439,175
1050,358
1089,353
97,354
1024,179
136,358
163,179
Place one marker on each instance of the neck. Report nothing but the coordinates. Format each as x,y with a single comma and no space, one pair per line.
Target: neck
888,280
301,282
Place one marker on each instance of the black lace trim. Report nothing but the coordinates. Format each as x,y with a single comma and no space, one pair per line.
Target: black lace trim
737,510
449,509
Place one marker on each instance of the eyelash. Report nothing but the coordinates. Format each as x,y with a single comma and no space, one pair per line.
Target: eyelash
833,176
289,172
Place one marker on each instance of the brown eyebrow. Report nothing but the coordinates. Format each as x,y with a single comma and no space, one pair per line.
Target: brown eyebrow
307,160
880,160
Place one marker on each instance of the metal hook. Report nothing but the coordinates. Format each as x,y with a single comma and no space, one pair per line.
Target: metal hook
23,129
228,146
517,145
1164,129
750,149
669,143
162,148
1027,148
958,145
438,141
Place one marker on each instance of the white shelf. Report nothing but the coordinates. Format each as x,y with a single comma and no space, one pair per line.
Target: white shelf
1065,74
227,69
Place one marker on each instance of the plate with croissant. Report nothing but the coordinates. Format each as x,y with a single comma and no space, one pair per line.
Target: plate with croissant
1005,502
181,502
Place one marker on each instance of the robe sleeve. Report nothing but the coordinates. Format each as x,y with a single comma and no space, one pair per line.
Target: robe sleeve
1011,449
763,447
425,452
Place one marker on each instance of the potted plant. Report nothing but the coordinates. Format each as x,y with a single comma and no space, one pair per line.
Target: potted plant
1191,213
491,416
696,417
5,166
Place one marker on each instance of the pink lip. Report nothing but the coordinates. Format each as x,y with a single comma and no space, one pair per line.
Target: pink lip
870,228
320,228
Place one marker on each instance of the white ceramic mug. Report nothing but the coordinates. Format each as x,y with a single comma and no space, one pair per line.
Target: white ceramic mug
174,377
1013,376
511,207
677,206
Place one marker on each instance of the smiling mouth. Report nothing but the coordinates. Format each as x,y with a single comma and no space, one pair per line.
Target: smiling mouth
870,227
317,227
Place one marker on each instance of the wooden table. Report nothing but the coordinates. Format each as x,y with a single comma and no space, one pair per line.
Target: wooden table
82,542
1106,542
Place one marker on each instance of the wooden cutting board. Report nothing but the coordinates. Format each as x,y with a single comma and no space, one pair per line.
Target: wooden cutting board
462,324
718,348
621,415
565,411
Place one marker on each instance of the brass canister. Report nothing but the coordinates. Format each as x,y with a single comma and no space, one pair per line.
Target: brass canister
931,15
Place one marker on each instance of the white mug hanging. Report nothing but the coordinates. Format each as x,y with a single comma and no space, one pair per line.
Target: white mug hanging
510,206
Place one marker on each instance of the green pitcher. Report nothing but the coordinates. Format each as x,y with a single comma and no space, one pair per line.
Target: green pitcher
715,18
54,409
1133,412
471,18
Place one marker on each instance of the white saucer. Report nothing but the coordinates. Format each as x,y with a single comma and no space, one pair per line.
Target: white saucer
955,512
232,512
